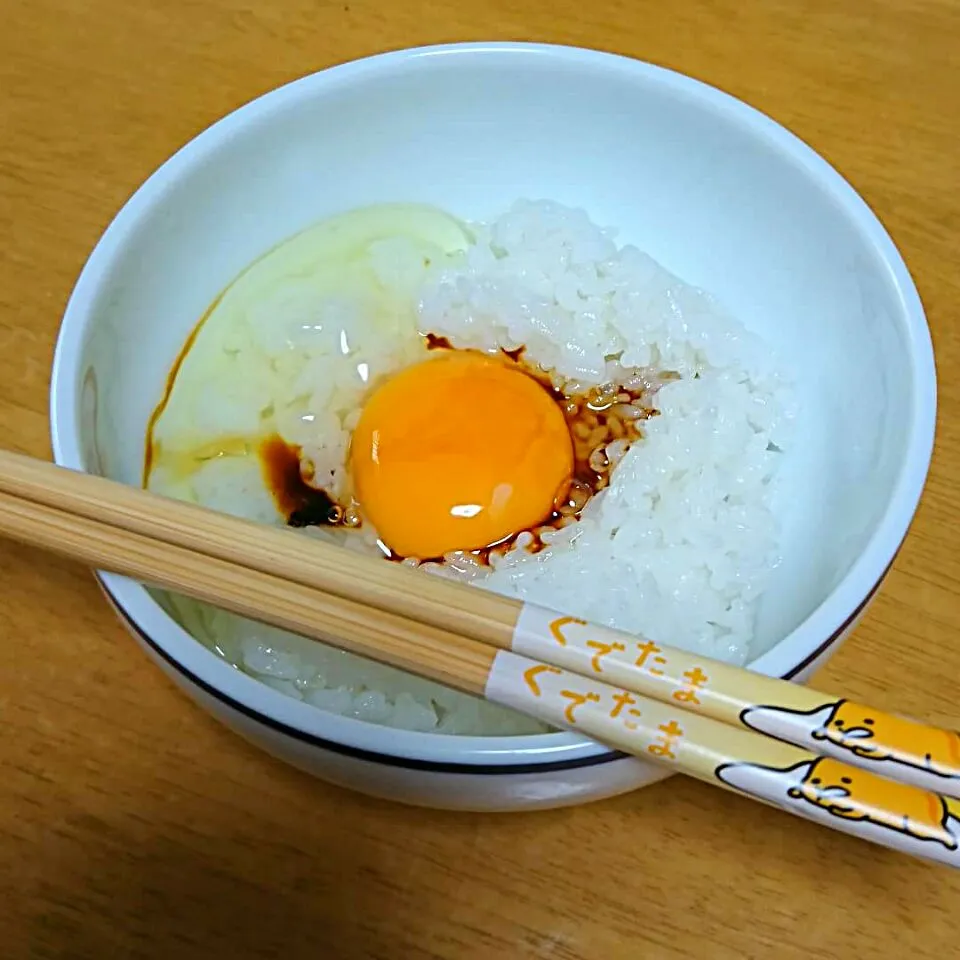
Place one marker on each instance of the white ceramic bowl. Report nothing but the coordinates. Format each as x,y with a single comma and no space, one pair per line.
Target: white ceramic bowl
717,192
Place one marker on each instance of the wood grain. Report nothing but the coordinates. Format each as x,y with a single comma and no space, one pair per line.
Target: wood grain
132,825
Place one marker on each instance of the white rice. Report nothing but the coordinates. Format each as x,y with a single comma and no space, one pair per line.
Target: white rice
679,547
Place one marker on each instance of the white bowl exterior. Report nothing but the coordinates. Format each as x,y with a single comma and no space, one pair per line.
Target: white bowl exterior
778,236
497,792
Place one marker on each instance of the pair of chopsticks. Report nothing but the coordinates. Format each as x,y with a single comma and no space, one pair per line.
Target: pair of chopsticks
886,779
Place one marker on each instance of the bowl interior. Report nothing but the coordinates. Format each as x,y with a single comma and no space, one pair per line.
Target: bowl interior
719,195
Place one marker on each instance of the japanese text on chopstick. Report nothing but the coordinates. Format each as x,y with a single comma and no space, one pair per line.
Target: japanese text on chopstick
659,739
644,654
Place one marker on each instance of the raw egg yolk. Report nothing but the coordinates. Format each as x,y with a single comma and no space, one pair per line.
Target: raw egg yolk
457,453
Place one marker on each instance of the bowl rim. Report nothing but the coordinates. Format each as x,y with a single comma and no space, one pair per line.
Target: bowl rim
514,754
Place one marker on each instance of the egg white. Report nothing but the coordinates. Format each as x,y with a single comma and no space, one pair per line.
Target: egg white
290,348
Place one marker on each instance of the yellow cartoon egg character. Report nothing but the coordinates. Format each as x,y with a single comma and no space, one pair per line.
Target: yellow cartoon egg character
879,736
857,795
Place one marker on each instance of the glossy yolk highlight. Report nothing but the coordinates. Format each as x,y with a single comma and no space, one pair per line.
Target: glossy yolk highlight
458,453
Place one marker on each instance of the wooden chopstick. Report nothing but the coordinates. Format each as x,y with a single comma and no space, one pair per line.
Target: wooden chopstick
820,788
430,652
285,553
878,742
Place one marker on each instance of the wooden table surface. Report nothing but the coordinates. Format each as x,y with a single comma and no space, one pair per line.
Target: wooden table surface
132,825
